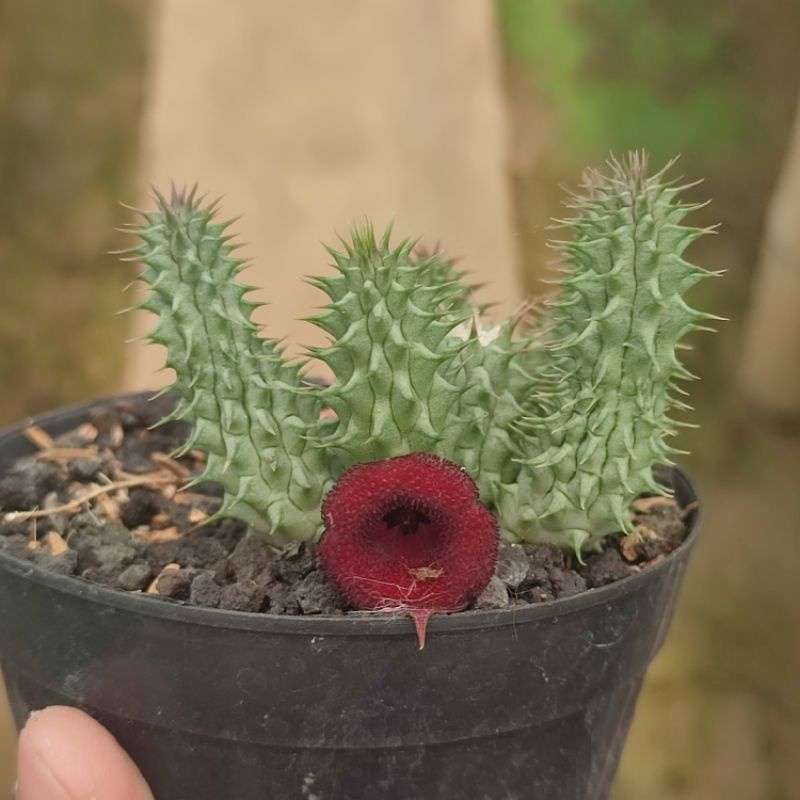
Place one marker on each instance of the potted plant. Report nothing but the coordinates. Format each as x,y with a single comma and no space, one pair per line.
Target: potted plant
501,485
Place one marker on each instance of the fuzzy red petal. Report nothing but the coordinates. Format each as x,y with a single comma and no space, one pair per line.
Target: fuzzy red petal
408,533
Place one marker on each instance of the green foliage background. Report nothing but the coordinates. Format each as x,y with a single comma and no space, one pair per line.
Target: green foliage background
625,72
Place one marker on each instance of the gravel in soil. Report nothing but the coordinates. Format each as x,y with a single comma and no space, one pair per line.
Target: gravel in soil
107,508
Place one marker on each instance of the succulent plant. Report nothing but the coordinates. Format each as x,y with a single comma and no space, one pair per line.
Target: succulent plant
603,399
236,389
552,424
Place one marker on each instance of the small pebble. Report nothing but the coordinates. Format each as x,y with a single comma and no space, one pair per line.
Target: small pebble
205,591
495,595
294,562
26,485
135,577
567,583
199,551
545,555
162,553
88,533
242,596
87,469
250,558
604,568
512,564
538,577
109,557
282,599
538,594
65,563
108,548
176,583
141,507
317,595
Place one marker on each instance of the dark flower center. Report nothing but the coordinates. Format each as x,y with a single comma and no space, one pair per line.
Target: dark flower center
408,519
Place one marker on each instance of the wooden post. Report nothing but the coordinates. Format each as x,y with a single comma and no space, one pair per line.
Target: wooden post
308,116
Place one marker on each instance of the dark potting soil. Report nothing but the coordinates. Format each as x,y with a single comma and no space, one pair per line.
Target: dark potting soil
106,507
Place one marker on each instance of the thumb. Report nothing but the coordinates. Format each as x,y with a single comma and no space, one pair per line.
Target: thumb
65,755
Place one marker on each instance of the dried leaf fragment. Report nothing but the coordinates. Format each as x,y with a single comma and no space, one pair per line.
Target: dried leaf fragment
155,537
426,573
171,465
66,453
56,544
644,504
153,587
38,437
629,547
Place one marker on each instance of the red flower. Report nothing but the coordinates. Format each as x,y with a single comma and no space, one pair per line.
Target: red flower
408,534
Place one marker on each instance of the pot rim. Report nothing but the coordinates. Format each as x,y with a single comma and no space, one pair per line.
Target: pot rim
352,624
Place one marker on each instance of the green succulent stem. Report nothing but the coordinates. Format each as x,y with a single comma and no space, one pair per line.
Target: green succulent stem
234,386
389,319
497,375
613,374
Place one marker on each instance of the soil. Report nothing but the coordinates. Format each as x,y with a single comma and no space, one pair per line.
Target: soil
102,502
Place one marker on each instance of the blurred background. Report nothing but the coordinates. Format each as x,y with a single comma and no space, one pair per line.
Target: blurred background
461,121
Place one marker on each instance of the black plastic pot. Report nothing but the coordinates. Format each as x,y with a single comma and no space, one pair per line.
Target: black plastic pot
530,702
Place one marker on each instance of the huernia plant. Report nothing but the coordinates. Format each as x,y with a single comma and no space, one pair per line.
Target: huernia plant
446,428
